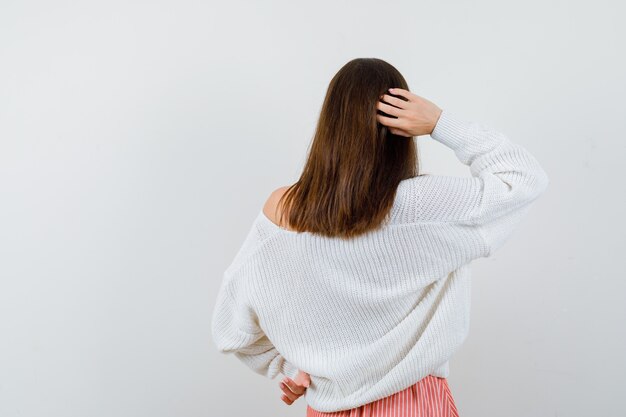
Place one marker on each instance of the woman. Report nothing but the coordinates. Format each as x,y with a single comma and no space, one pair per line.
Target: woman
354,282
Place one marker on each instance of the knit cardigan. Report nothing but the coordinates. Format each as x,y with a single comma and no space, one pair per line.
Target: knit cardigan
370,316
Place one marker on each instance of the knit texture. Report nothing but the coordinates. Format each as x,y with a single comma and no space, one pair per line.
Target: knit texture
370,316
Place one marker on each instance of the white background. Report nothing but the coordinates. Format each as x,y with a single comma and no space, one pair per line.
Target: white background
138,140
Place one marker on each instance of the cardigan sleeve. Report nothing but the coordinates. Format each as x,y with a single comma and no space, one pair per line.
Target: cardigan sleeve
505,179
235,330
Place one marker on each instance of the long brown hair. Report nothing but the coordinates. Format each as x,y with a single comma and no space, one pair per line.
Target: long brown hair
354,163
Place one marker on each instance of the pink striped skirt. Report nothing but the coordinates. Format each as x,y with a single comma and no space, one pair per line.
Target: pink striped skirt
429,397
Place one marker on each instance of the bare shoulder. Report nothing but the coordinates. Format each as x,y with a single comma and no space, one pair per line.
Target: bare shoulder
269,208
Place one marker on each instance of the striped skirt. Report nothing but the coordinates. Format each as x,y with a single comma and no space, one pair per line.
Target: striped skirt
429,397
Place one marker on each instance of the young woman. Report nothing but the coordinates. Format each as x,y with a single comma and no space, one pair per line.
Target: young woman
354,282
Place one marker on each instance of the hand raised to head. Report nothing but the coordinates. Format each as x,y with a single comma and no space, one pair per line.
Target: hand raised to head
414,116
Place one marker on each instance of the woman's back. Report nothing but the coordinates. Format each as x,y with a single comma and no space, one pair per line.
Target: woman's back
370,316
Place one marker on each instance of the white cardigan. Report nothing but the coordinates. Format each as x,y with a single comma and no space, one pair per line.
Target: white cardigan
373,315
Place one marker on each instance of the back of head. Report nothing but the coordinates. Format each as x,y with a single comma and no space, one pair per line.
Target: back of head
354,163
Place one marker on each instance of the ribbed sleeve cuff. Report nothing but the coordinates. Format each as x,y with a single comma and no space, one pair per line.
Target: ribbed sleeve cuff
451,130
288,369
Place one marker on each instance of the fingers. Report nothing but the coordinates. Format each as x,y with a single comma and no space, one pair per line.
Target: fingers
295,388
389,121
286,400
288,395
394,111
395,101
291,390
394,125
402,92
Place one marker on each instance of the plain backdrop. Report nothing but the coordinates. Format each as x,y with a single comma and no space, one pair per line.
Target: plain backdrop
138,140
